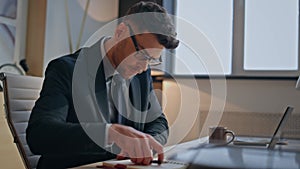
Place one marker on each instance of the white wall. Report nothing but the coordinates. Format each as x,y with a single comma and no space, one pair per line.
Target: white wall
56,39
243,96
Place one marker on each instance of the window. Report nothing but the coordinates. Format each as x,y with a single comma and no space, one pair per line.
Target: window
271,35
13,18
251,37
214,24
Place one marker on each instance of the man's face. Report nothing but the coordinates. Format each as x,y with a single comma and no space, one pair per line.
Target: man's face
135,52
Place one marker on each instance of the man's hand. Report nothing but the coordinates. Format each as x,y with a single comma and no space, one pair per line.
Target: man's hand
134,144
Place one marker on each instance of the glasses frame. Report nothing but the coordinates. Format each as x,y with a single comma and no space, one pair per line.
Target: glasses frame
150,60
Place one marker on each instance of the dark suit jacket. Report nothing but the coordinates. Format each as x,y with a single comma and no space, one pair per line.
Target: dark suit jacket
54,130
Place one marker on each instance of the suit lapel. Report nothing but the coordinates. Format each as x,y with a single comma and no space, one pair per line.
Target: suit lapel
98,82
101,93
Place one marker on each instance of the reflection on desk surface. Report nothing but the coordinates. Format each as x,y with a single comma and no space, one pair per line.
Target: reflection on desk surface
236,157
201,154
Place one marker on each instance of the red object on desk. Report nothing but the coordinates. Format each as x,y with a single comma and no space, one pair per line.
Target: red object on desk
117,166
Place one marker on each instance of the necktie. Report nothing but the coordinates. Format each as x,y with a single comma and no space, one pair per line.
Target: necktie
119,98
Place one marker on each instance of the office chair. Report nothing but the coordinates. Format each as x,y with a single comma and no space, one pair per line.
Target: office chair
20,93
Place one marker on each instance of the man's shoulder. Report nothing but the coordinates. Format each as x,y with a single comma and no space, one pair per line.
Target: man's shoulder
64,62
69,59
62,66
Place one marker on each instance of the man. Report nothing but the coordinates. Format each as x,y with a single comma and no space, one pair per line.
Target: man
132,127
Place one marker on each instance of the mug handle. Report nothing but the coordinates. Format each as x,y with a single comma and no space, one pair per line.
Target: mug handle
232,136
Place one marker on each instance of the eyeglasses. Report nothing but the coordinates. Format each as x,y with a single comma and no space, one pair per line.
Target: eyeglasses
142,54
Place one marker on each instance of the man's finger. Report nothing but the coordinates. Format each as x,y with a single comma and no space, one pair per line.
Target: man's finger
157,147
121,156
160,158
139,154
147,152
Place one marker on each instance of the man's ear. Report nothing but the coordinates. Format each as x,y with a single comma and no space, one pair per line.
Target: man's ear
120,31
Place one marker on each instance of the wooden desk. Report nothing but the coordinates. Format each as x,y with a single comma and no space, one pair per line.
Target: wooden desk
9,154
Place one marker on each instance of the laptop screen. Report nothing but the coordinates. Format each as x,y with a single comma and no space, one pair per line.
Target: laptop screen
280,126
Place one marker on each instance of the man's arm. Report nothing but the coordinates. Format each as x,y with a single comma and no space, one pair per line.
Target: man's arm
138,145
156,123
49,131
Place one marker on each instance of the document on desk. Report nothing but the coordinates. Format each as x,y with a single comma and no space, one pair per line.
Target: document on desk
129,165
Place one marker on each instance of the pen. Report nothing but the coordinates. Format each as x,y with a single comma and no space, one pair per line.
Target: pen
157,162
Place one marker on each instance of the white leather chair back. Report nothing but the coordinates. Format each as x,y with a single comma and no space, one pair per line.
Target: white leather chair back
20,94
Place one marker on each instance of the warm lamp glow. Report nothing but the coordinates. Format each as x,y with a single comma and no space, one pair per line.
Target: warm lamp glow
101,10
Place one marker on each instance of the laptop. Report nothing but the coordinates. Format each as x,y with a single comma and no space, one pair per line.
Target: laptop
275,137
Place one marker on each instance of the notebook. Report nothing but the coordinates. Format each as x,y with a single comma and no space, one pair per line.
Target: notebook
129,165
275,137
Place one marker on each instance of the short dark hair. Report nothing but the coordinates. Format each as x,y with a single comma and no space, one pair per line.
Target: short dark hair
160,22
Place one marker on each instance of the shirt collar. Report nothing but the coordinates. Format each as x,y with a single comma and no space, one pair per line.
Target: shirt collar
109,70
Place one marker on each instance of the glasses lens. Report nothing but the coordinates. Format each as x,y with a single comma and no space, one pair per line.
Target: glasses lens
154,62
145,58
